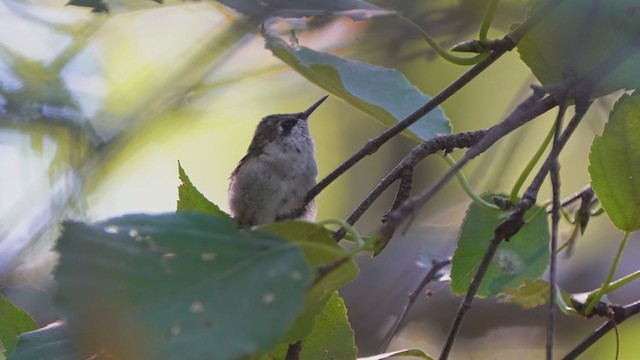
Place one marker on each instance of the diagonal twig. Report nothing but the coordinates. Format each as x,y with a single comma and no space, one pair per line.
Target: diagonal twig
431,275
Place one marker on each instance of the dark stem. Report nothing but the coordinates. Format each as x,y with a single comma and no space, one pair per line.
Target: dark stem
468,298
293,352
555,220
583,195
620,315
431,275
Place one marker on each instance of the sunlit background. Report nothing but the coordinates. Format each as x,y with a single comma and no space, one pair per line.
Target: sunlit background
96,110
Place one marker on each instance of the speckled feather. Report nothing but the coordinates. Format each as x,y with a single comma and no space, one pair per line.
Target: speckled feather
272,180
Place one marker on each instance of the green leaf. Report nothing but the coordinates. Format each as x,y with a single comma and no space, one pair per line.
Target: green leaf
615,164
531,294
190,199
382,93
354,9
320,249
525,256
49,343
181,285
409,352
568,34
330,338
13,322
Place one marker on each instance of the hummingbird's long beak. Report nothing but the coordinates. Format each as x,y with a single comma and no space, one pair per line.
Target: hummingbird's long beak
313,107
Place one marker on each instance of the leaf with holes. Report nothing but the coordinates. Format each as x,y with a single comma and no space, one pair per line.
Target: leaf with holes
578,35
384,94
320,249
614,164
531,294
526,255
182,285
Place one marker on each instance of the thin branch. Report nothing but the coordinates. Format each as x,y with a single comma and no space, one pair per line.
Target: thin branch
508,228
404,188
375,143
528,110
445,143
555,220
471,292
499,48
620,315
431,275
585,193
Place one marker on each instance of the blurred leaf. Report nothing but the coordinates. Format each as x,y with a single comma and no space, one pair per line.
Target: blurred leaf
330,338
320,249
180,285
97,6
532,293
412,352
52,342
566,303
569,32
615,164
354,9
13,322
190,199
525,256
384,94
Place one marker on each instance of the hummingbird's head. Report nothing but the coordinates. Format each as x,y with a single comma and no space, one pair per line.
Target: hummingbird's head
284,129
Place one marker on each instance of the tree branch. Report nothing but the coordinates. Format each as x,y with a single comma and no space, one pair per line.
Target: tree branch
528,110
499,48
555,220
510,227
620,315
405,168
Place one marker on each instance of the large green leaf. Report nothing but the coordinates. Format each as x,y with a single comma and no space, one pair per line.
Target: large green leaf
570,36
320,249
354,9
525,256
384,94
615,164
182,285
13,322
49,343
191,199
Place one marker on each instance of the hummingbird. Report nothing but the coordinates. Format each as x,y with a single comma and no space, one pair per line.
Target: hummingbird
271,181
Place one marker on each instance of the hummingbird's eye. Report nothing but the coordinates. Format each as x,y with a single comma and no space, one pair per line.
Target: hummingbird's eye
287,125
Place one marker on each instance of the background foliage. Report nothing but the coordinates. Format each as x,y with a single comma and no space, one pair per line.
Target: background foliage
96,109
